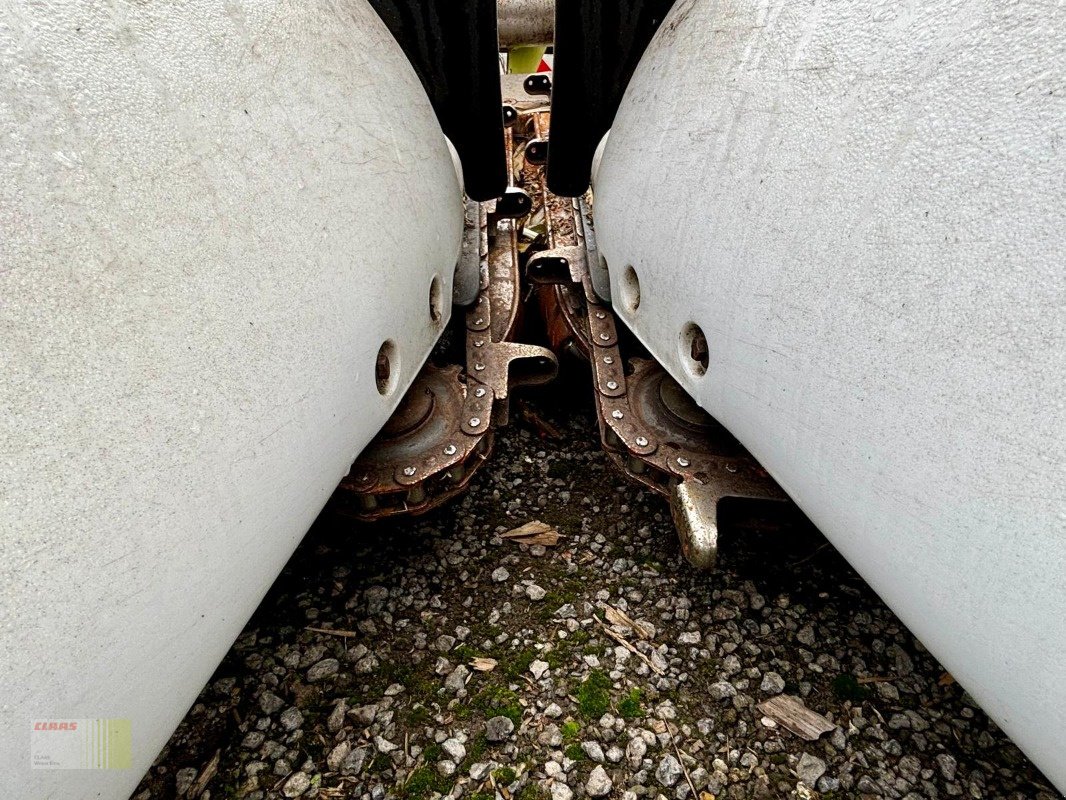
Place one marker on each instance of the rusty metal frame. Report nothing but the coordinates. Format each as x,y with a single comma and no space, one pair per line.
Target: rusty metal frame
443,429
696,467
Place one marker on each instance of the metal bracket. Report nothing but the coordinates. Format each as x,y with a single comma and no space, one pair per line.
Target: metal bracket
650,428
443,429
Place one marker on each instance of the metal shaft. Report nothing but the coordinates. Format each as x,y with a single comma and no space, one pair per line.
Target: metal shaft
525,22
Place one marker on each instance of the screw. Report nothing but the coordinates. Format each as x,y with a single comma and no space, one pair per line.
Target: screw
479,367
617,414
612,385
608,359
450,450
408,471
479,392
642,441
474,422
682,461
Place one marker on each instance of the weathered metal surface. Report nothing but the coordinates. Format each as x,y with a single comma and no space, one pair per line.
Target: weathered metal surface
525,21
649,426
442,431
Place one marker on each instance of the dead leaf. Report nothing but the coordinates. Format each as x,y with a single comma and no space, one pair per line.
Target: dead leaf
535,532
482,664
946,679
790,713
706,796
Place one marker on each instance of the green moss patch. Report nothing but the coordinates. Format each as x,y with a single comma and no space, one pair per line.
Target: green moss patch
594,695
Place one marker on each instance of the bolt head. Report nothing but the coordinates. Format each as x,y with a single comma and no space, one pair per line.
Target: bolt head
408,471
608,359
479,343
617,414
450,450
605,337
474,422
682,461
479,321
479,392
479,367
600,315
612,384
642,441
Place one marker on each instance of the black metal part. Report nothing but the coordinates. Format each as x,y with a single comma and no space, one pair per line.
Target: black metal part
453,47
538,84
514,203
597,47
537,151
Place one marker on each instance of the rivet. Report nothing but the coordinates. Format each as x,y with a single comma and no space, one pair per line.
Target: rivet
642,441
474,422
479,367
408,471
608,359
479,343
617,414
479,392
605,337
612,385
682,461
600,315
450,450
479,321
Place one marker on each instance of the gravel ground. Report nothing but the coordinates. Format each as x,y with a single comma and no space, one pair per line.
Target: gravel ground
393,708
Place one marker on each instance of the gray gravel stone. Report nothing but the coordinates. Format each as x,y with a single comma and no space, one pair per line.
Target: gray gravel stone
335,721
270,703
297,784
499,729
338,755
593,750
947,766
291,719
183,780
772,683
456,682
599,783
809,769
722,690
325,668
635,751
454,748
669,771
